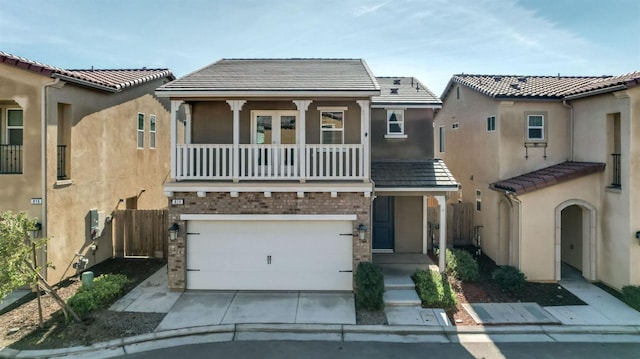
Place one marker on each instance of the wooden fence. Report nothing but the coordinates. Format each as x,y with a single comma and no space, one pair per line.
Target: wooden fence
141,233
460,223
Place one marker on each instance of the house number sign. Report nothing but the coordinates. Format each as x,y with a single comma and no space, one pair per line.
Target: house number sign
36,200
177,201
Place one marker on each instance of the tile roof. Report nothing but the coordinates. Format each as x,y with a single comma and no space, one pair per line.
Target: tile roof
113,80
404,90
412,174
548,176
626,80
278,75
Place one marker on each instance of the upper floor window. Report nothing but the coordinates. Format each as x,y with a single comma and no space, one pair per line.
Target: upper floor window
14,127
395,124
441,138
535,127
455,125
331,126
152,131
140,130
478,201
491,123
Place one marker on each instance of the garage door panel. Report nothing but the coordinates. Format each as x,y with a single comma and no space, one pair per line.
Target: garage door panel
305,255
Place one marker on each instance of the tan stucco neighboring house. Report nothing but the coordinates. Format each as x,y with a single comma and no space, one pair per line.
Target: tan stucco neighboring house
548,162
270,186
74,146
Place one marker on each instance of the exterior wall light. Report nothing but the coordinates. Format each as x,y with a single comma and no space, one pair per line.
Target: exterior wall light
362,229
173,232
34,232
638,236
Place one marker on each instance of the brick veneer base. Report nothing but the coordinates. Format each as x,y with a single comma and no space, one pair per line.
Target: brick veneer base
257,203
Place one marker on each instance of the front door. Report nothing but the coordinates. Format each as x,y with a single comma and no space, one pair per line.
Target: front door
383,231
276,131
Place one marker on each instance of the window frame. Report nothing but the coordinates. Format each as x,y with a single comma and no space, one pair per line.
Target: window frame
152,131
323,129
140,131
8,128
400,123
491,123
441,139
478,200
541,128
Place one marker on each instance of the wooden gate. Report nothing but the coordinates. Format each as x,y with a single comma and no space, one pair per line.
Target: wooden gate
460,223
141,233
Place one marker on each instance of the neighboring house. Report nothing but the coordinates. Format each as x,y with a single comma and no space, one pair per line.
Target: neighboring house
404,171
74,146
270,186
548,163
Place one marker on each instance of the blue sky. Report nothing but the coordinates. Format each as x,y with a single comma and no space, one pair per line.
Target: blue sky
428,39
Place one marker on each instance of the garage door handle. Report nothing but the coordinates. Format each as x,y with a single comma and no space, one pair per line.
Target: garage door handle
193,270
342,271
194,233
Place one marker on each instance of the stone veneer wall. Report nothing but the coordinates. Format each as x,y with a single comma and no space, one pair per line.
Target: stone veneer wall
257,203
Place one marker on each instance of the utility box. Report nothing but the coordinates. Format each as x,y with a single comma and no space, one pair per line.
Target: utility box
96,223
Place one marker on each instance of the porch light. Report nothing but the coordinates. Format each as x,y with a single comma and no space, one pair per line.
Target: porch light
34,232
361,231
173,232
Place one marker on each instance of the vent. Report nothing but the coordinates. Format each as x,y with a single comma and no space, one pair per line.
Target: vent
522,79
394,91
515,86
396,82
497,78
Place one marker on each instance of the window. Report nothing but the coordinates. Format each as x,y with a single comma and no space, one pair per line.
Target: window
441,138
152,131
331,126
14,127
478,201
455,125
491,123
457,93
395,124
535,127
140,130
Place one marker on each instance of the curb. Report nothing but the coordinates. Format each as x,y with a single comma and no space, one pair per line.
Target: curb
337,332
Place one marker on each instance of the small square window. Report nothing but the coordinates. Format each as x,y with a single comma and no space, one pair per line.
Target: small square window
395,122
535,127
491,123
152,131
140,130
332,127
455,125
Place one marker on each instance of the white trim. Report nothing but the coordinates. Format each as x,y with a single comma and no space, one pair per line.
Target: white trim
332,108
405,106
153,120
425,224
268,217
418,189
395,136
200,93
364,188
138,130
375,250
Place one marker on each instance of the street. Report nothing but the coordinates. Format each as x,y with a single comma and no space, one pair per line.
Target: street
373,350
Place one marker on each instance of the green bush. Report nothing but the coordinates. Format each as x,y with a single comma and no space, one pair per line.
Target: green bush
433,289
509,279
460,264
369,286
631,296
106,288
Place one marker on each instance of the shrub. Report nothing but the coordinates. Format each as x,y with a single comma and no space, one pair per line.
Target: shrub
369,286
460,264
434,289
631,296
106,288
509,279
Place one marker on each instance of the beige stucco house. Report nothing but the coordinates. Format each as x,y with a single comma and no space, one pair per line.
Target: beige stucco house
271,184
548,162
74,146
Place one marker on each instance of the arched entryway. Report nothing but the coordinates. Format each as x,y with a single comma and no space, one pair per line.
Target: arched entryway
575,240
504,233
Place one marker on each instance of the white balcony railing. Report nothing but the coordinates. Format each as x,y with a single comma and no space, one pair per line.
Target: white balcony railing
270,162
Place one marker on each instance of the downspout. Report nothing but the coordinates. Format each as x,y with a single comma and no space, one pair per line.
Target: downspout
571,130
43,159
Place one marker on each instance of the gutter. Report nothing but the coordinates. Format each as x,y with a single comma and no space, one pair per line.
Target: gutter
596,92
85,83
571,128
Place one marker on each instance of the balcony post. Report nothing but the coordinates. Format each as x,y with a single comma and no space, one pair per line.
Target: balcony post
236,106
187,113
175,105
365,122
442,201
302,106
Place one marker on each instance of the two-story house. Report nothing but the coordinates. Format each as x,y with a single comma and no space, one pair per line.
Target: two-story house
74,146
270,185
547,162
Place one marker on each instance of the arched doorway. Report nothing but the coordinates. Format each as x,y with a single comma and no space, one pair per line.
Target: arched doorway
575,240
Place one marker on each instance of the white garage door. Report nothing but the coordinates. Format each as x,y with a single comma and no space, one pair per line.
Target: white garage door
269,255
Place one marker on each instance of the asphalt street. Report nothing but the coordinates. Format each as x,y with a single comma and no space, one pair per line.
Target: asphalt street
374,350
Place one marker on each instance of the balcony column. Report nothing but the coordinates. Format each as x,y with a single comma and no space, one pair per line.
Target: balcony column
187,112
302,106
175,106
442,201
236,106
365,122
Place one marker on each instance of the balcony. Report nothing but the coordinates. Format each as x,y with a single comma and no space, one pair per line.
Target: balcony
62,162
615,182
270,162
10,159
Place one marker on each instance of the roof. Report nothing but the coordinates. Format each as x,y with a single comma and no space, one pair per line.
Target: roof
412,174
277,75
112,80
547,177
404,91
610,83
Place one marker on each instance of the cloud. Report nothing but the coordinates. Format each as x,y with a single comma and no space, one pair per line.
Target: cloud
367,9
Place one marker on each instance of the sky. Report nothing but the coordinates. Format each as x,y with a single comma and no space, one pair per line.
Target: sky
428,39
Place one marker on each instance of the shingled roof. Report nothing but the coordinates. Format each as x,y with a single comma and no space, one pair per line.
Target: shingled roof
404,91
277,75
113,80
432,174
541,87
548,176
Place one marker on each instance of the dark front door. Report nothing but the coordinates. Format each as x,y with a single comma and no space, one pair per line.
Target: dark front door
383,223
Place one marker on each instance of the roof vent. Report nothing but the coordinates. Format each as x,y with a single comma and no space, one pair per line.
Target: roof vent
396,82
394,91
515,86
522,79
497,78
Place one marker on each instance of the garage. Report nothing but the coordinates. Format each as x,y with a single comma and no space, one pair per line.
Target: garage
269,252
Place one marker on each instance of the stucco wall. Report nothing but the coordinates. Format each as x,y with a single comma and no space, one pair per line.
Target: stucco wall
418,126
408,224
